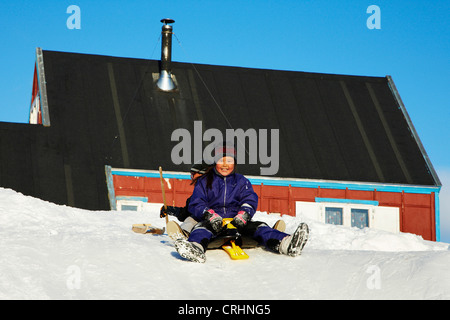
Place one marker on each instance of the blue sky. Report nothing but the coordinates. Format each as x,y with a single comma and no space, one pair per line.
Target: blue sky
412,46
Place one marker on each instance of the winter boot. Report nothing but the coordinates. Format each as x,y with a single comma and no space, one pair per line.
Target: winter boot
293,245
280,225
192,251
175,231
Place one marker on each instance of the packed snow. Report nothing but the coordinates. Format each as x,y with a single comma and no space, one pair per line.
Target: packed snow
58,252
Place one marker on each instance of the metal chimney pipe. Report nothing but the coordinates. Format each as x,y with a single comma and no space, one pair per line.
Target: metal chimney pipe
165,81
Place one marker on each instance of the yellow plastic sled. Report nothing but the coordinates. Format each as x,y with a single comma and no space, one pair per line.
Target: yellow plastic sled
234,251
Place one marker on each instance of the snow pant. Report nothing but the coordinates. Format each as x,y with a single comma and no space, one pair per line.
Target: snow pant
188,224
259,231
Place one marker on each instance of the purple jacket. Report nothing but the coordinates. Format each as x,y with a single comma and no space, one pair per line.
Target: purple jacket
227,197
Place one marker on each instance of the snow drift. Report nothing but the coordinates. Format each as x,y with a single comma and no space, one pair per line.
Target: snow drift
58,252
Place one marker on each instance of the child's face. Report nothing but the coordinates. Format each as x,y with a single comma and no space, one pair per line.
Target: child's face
225,166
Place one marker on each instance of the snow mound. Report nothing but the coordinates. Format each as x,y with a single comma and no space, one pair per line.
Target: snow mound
58,252
333,237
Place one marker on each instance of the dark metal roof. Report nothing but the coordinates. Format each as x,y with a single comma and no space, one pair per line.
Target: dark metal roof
107,111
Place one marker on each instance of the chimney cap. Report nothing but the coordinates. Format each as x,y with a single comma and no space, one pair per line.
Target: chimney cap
166,21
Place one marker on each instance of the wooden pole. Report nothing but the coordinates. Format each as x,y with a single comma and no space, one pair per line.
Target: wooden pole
163,193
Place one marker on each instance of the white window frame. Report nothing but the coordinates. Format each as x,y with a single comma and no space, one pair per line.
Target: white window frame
134,203
141,204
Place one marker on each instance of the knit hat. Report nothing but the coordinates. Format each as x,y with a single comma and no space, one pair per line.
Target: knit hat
225,150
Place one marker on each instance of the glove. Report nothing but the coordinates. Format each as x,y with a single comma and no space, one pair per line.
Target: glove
241,219
215,221
172,211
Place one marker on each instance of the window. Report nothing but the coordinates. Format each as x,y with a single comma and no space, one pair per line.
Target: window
128,207
333,215
350,213
130,203
139,204
360,218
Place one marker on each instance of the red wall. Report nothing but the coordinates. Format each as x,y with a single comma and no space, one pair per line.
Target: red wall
176,194
417,211
35,92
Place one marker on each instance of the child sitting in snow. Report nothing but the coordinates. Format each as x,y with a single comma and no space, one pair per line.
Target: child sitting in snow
182,213
223,193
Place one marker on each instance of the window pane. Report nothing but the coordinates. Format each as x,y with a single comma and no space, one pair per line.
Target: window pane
360,218
333,215
129,208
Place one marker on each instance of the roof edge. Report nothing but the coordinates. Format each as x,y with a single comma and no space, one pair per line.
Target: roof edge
178,64
42,83
399,100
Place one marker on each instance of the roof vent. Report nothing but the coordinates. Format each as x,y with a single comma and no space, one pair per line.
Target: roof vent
165,81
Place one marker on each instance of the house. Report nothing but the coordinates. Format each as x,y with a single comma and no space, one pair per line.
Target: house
101,126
